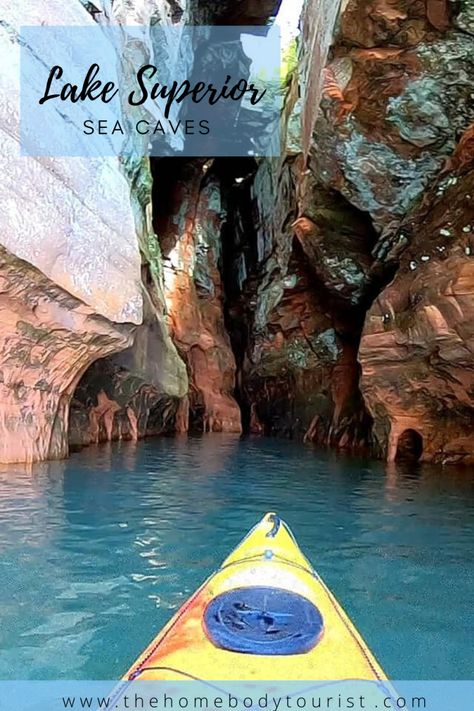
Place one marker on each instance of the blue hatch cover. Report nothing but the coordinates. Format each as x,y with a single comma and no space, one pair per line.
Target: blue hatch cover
263,620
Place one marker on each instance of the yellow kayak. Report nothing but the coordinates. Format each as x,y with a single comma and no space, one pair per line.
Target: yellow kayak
265,614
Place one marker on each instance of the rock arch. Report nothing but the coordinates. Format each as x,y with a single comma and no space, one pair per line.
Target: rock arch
48,339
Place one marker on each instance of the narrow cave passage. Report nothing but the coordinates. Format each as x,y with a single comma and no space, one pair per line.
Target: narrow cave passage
239,266
265,317
203,218
267,336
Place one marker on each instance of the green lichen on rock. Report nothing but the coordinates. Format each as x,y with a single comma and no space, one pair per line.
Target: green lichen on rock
464,19
437,107
138,172
32,332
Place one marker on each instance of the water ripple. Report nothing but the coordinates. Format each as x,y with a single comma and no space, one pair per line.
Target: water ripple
97,552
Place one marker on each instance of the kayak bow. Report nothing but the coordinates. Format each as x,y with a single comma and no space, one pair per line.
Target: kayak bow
264,614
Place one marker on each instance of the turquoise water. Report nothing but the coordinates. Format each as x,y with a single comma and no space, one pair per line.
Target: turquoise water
97,552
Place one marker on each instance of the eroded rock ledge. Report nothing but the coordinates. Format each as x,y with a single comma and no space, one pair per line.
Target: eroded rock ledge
48,338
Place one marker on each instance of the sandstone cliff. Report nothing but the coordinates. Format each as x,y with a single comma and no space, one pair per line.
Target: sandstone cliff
350,212
417,348
394,139
326,295
74,234
356,209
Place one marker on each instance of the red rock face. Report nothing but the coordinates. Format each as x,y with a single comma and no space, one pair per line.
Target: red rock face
190,237
302,275
394,123
301,374
417,349
297,351
135,393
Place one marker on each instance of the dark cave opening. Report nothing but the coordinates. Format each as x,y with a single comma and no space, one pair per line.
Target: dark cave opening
409,446
172,177
239,263
245,13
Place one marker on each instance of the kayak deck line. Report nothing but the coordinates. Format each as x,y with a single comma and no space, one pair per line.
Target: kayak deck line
264,614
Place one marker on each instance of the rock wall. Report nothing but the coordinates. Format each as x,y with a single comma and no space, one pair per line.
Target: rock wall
318,235
417,349
394,122
189,216
397,98
294,289
138,392
74,236
47,340
297,353
325,295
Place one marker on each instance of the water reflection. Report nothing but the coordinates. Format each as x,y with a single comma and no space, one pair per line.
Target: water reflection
402,476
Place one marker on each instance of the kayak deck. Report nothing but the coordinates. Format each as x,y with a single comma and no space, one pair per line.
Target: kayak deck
268,559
